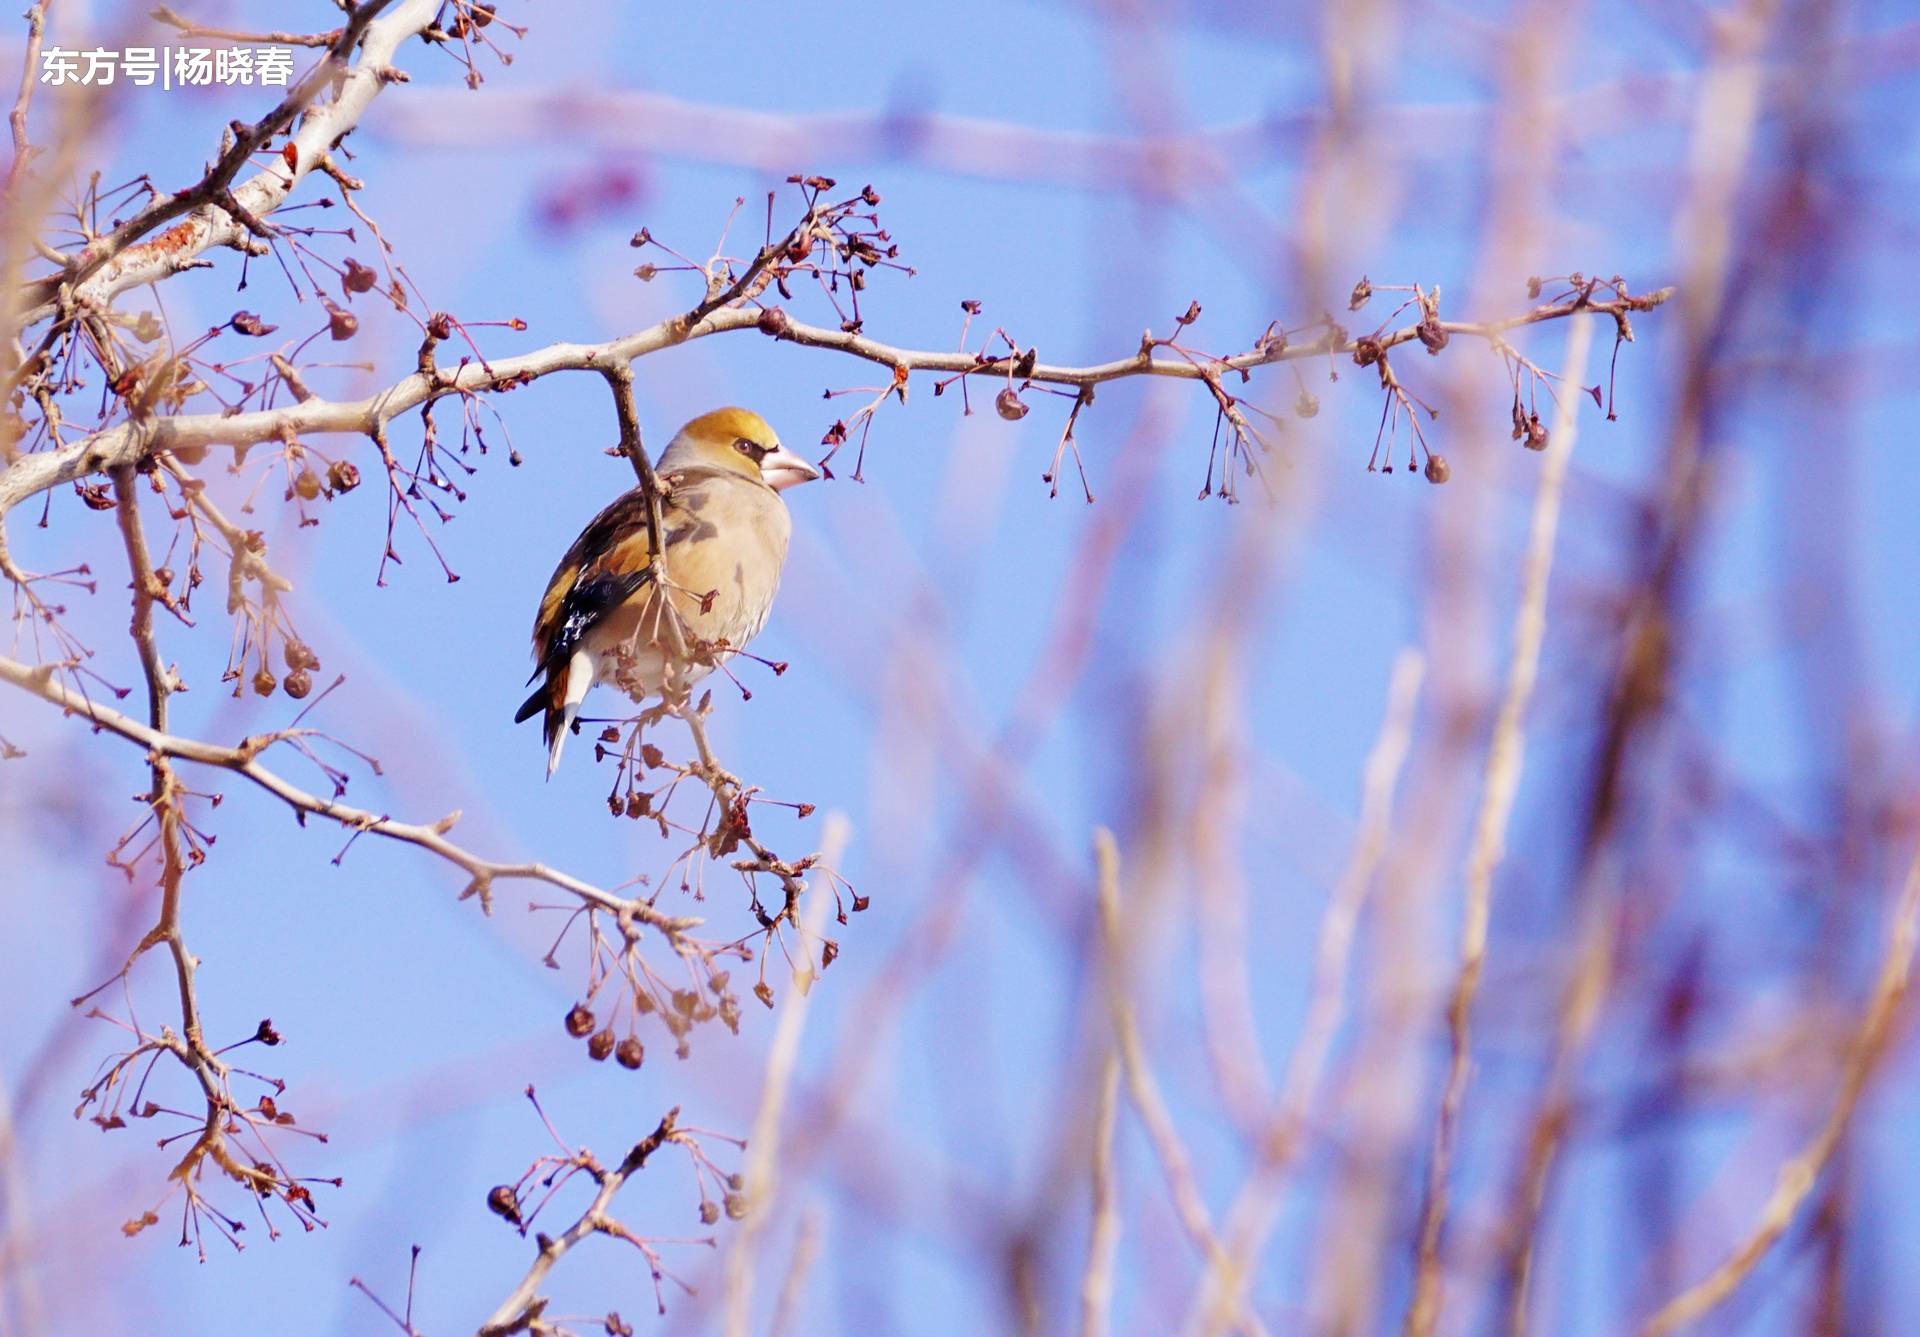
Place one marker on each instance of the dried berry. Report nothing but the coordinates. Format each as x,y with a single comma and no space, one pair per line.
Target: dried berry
709,1212
1007,404
736,1206
1536,433
600,1046
297,684
342,324
1437,470
579,1020
1366,351
306,484
249,324
773,321
1362,291
358,277
1432,334
502,1202
1307,405
630,1053
264,682
343,475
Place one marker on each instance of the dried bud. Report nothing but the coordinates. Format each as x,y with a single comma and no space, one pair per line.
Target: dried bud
1362,291
264,682
1007,404
306,484
1437,470
358,277
502,1202
297,684
773,321
245,322
343,475
579,1020
600,1046
630,1053
1307,405
342,324
1431,334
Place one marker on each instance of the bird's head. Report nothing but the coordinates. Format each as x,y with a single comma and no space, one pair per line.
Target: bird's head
740,441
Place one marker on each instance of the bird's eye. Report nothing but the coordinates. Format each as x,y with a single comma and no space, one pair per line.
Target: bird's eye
753,450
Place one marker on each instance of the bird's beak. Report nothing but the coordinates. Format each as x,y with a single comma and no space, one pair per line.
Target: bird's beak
784,469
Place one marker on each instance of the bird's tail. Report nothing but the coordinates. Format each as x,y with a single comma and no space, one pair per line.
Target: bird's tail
559,697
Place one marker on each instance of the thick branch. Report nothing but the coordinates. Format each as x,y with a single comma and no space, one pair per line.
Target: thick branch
121,260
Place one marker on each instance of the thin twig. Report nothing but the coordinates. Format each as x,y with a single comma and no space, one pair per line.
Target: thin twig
1103,1239
1797,1178
521,1310
244,760
1251,1217
1143,1089
1504,757
763,1143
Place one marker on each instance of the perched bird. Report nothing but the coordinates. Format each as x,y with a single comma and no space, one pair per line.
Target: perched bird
725,531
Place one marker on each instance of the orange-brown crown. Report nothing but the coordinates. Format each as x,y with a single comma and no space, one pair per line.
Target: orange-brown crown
709,441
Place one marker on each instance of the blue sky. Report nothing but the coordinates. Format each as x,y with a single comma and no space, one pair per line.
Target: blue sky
413,1024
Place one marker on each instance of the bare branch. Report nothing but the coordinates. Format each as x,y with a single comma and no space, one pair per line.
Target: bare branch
244,760
126,442
521,1310
1797,1177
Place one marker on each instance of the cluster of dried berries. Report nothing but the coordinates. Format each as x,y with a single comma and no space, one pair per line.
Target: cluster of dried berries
581,1022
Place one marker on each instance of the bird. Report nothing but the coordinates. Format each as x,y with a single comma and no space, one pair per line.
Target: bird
724,532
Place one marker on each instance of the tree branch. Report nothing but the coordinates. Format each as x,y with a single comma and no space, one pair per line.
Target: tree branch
520,1311
127,441
213,208
244,761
